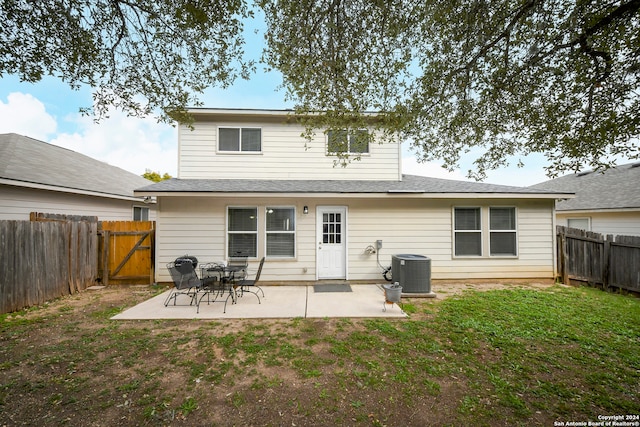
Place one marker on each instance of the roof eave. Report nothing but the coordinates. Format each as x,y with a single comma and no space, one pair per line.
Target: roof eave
600,210
48,187
388,194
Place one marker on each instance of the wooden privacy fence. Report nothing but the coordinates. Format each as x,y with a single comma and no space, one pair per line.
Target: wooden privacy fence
44,259
597,259
126,252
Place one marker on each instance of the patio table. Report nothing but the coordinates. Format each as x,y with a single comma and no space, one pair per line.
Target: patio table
226,275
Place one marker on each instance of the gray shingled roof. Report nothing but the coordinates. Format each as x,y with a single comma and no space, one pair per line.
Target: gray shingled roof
35,162
616,188
409,184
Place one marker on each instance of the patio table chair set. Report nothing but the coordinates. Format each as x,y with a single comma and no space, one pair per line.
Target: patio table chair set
218,282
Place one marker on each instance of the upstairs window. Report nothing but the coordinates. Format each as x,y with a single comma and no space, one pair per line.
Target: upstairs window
239,140
348,142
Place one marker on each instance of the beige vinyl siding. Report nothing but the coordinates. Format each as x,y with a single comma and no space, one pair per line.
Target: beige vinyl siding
285,155
17,202
424,227
617,223
197,226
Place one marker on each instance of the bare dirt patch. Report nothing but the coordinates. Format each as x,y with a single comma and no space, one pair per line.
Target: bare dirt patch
67,363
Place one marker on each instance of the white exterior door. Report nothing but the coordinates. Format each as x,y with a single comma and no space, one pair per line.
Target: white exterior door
332,242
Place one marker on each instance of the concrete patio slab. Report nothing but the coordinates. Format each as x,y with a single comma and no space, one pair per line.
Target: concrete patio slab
279,302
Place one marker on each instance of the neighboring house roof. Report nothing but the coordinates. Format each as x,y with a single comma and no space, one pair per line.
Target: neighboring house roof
27,162
410,184
616,188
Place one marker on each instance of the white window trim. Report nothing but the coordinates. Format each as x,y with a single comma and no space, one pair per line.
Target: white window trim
133,213
228,232
514,231
240,152
294,232
454,232
350,153
587,218
485,233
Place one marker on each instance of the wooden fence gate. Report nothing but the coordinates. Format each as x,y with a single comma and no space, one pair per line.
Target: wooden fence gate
593,258
126,252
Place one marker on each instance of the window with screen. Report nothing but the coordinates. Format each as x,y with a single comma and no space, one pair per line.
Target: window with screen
281,232
239,139
502,231
140,213
467,232
242,231
348,142
581,223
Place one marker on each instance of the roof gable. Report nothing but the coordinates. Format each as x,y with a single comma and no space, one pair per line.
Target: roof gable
615,188
31,163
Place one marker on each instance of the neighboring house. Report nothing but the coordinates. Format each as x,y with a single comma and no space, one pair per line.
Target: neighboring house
249,183
39,177
606,202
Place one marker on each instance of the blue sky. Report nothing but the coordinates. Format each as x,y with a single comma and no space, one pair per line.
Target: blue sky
49,111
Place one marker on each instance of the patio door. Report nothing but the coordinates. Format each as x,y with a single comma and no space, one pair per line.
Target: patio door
332,242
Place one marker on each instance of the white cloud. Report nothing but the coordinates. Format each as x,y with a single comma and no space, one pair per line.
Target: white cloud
26,115
531,173
411,166
130,143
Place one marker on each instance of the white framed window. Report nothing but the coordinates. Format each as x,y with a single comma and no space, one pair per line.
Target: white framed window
348,142
502,231
467,231
242,231
485,230
280,232
239,140
140,213
581,223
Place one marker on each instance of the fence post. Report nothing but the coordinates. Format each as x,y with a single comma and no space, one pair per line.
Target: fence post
607,260
565,260
564,257
106,237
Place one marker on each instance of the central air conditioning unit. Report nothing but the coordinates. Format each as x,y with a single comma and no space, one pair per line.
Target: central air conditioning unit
412,272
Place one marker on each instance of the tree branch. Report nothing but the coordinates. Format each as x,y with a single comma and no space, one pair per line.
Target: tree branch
504,34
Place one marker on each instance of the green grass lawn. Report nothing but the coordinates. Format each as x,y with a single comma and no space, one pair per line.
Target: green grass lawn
503,357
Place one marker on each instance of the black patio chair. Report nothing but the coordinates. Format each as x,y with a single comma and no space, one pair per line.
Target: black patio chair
186,281
251,285
237,266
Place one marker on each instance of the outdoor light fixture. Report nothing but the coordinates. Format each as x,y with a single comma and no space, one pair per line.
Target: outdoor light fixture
305,210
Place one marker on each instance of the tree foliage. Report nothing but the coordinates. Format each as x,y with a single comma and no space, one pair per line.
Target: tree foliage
501,78
140,56
504,77
155,176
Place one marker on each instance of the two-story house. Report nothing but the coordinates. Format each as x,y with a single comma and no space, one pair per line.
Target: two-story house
249,183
